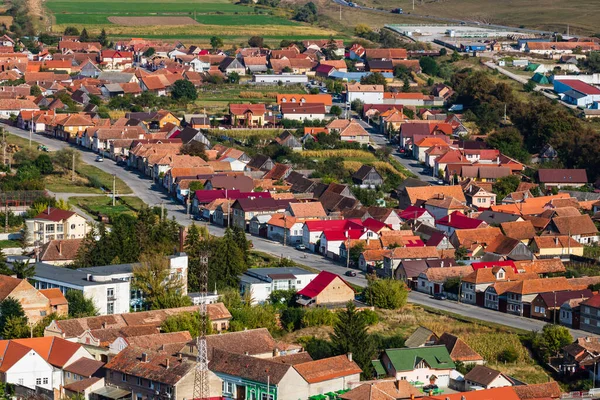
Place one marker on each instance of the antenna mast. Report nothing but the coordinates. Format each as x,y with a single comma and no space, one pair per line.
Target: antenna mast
201,384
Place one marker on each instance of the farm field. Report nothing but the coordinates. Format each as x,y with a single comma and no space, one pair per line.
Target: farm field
158,19
551,15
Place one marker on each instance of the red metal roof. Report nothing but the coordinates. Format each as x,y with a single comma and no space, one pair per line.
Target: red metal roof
332,225
581,86
458,220
317,285
492,264
412,212
206,196
374,225
341,235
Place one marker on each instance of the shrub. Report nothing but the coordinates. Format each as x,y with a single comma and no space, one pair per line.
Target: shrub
369,316
508,355
292,318
318,317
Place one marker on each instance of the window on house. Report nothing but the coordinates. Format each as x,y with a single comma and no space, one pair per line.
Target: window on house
537,309
20,381
124,377
45,381
38,381
266,396
586,321
139,381
542,310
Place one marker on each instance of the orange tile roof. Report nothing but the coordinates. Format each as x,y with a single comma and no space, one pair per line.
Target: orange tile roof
55,350
555,242
541,266
542,285
519,230
55,296
427,192
327,369
430,142
278,220
503,393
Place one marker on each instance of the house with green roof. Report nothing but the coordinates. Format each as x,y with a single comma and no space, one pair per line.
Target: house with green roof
417,365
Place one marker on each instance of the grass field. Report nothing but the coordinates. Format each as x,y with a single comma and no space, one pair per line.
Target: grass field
103,205
7,244
103,178
215,17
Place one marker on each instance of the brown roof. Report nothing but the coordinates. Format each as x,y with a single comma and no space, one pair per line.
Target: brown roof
308,210
7,285
579,225
354,129
327,368
482,375
75,327
55,296
60,250
442,274
240,109
84,367
376,255
538,391
17,104
382,390
414,252
80,386
502,245
488,275
562,176
157,340
160,366
542,285
484,236
457,348
541,266
248,367
427,192
555,242
519,230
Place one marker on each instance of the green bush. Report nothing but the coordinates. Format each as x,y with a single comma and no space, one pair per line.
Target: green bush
369,316
508,355
318,317
291,318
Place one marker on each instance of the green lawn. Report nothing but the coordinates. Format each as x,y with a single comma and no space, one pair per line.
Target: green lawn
6,244
99,177
103,205
143,7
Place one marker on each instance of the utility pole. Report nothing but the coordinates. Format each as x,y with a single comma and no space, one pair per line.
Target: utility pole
413,5
340,12
284,228
201,383
114,191
162,211
3,147
348,253
6,216
30,130
73,168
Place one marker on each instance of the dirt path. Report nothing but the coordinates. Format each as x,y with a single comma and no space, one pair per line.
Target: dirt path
38,17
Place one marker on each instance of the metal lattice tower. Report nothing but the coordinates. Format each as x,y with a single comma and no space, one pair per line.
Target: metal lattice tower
201,384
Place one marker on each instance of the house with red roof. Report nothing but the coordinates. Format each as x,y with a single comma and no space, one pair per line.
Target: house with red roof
576,92
331,240
247,115
312,230
38,362
54,223
414,214
458,220
326,289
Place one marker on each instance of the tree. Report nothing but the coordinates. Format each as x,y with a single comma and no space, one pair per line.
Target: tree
102,38
15,328
355,252
159,289
510,142
529,86
10,308
455,56
306,13
23,270
505,185
194,148
84,37
443,51
35,91
149,52
452,285
71,31
429,66
185,321
375,78
40,326
227,262
64,158
461,253
79,305
556,337
233,77
350,336
216,42
362,30
231,298
44,164
357,106
390,294
336,110
405,84
4,269
256,41
184,90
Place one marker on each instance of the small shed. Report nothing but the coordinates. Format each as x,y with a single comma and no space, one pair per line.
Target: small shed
540,79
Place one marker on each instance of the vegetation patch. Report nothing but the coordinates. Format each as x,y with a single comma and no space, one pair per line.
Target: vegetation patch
144,21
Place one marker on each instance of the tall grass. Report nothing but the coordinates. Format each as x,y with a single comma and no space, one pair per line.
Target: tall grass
345,153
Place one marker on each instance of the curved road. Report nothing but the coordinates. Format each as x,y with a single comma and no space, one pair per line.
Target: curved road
153,195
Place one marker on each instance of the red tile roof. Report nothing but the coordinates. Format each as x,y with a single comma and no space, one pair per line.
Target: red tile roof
55,214
458,220
327,369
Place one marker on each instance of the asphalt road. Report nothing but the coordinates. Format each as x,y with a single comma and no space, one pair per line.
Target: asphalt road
146,190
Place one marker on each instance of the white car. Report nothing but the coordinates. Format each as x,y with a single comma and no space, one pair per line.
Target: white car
99,159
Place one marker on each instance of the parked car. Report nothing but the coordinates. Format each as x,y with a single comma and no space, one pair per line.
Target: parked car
350,273
301,247
440,296
99,159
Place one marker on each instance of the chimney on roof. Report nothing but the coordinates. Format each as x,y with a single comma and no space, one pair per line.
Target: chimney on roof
166,363
442,264
104,325
556,240
349,356
60,247
144,357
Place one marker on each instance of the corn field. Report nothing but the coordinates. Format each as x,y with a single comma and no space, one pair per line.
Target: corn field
246,133
257,95
344,153
352,166
386,168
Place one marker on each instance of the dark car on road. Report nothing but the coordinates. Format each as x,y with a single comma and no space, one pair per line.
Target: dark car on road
440,296
350,273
